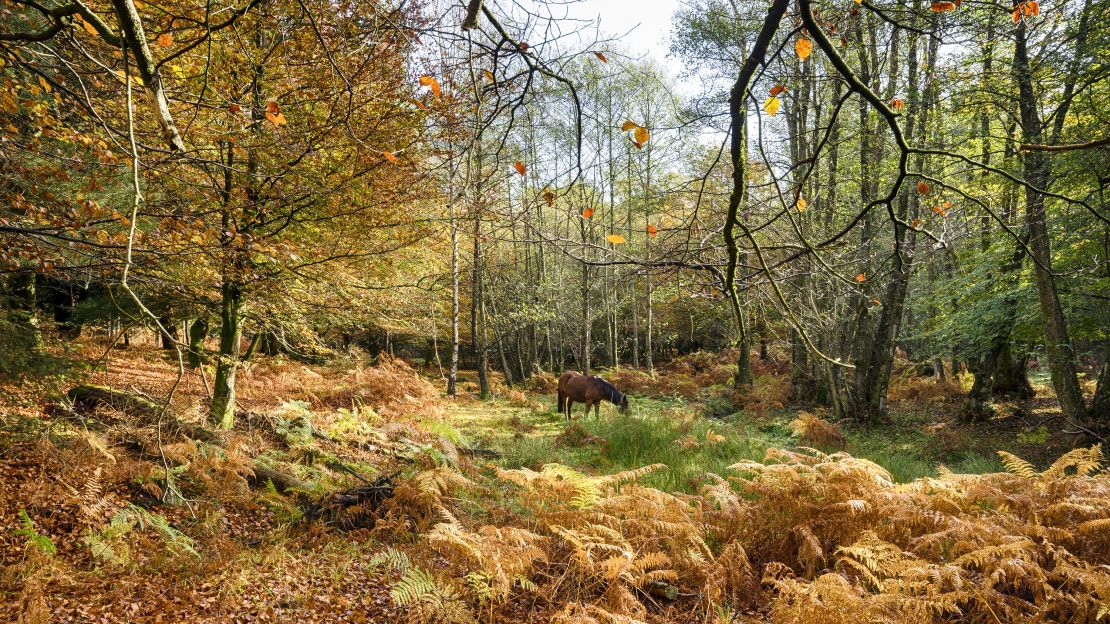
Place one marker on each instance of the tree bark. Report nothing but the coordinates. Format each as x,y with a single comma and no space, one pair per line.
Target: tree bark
222,412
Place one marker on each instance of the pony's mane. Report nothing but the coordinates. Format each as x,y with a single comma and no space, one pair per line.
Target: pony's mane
611,393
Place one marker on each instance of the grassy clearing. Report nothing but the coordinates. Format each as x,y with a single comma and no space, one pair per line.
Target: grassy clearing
675,433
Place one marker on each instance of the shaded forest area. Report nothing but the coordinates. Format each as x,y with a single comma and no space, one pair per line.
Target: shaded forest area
286,289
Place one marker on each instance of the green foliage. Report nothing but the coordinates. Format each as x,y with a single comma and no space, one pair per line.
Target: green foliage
35,539
108,545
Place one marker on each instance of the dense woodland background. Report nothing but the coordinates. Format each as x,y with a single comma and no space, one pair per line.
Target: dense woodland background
867,211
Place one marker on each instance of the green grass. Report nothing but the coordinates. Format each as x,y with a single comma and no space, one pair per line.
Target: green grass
654,431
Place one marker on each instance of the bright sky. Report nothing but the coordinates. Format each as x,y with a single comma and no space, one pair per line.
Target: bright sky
646,22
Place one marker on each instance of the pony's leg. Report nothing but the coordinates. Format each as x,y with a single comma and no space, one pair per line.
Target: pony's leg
589,404
568,404
560,401
597,409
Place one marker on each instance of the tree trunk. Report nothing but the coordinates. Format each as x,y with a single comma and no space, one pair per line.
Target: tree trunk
222,413
453,375
1010,376
1061,355
198,331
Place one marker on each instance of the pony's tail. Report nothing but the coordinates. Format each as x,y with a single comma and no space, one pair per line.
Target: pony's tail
560,400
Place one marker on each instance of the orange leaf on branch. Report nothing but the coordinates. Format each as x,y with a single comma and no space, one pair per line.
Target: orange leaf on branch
861,278
549,197
651,230
803,47
520,168
390,156
164,40
587,213
777,89
601,57
923,188
431,83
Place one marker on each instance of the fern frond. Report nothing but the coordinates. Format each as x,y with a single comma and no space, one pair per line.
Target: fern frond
1018,466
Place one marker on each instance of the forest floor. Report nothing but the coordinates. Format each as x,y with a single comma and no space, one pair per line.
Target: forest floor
86,536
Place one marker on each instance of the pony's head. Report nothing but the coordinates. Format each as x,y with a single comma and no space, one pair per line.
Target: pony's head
623,403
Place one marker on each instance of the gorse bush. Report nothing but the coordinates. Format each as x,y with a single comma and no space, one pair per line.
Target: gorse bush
820,538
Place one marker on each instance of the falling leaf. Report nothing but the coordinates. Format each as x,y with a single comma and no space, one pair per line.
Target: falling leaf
941,7
616,239
587,213
523,45
628,125
898,104
489,75
390,156
801,205
651,230
772,105
916,223
862,277
947,204
641,134
164,40
420,105
549,197
431,83
272,107
804,47
601,57
777,89
940,211
235,108
876,302
923,188
519,166
277,120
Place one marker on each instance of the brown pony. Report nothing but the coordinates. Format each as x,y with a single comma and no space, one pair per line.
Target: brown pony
576,387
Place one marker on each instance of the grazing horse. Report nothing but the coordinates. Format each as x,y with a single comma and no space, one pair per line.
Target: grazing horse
578,388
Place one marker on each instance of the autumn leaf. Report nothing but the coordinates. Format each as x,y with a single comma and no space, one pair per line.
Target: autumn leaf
876,302
898,104
89,28
923,188
940,211
601,57
431,83
861,278
916,223
804,47
523,45
777,89
489,75
616,239
520,168
164,40
641,134
277,120
772,105
947,204
801,205
420,105
587,213
390,156
651,230
941,7
629,125
235,108
549,197
272,107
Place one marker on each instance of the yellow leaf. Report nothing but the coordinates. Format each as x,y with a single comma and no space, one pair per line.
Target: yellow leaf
862,277
772,105
801,205
804,47
520,168
628,125
641,134
431,83
616,239
489,75
277,120
164,40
